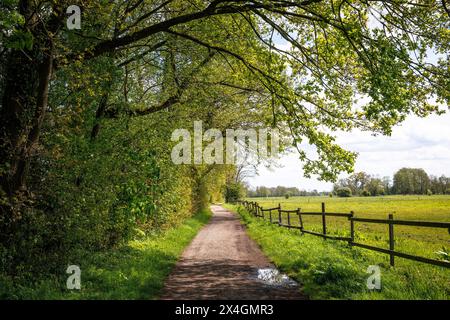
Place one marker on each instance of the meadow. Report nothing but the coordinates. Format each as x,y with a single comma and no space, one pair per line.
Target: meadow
427,242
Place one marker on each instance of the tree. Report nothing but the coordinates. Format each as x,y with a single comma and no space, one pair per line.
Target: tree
386,181
357,182
234,192
335,56
262,192
376,187
439,185
411,181
344,192
87,115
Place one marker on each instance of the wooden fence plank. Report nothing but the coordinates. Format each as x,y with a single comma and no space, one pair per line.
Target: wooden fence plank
431,224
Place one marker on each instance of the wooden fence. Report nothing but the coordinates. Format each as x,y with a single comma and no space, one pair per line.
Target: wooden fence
275,215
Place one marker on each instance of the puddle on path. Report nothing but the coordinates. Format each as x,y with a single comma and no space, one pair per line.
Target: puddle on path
273,277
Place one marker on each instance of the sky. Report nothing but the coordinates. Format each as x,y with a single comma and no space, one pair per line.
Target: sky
417,143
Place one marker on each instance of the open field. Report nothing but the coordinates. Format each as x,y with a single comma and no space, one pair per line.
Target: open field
333,270
415,240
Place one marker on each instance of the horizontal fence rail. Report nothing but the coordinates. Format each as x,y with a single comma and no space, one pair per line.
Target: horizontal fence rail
275,216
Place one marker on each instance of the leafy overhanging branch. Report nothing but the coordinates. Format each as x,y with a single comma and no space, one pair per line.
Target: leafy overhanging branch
172,100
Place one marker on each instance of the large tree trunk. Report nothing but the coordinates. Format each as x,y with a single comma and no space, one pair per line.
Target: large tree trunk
24,102
23,109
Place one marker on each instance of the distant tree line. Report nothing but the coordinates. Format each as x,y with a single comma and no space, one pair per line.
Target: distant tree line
405,181
281,191
362,184
416,181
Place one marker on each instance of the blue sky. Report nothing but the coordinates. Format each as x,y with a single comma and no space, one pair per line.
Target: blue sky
417,142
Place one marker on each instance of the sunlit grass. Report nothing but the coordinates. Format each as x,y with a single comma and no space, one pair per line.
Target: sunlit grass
415,240
333,270
135,271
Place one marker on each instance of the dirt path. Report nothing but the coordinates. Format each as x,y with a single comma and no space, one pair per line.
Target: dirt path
222,262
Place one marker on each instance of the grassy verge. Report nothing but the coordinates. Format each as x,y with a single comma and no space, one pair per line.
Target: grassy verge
135,271
331,270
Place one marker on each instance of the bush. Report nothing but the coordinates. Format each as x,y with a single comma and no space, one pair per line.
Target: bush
344,192
429,192
233,192
365,193
287,195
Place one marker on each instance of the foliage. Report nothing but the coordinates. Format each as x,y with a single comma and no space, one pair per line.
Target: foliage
87,115
344,192
134,271
439,185
234,192
411,181
279,191
362,183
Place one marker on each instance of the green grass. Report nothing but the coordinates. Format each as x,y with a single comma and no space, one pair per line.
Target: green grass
332,270
422,241
135,271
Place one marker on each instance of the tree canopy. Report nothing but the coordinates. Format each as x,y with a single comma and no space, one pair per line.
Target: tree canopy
86,115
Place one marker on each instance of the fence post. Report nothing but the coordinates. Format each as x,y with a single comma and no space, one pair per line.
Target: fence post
352,229
289,220
279,215
324,222
391,239
270,216
300,221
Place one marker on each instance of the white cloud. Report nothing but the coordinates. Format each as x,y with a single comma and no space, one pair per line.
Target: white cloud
418,142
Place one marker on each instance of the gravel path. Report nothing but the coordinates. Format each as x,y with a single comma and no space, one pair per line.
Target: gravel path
222,262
